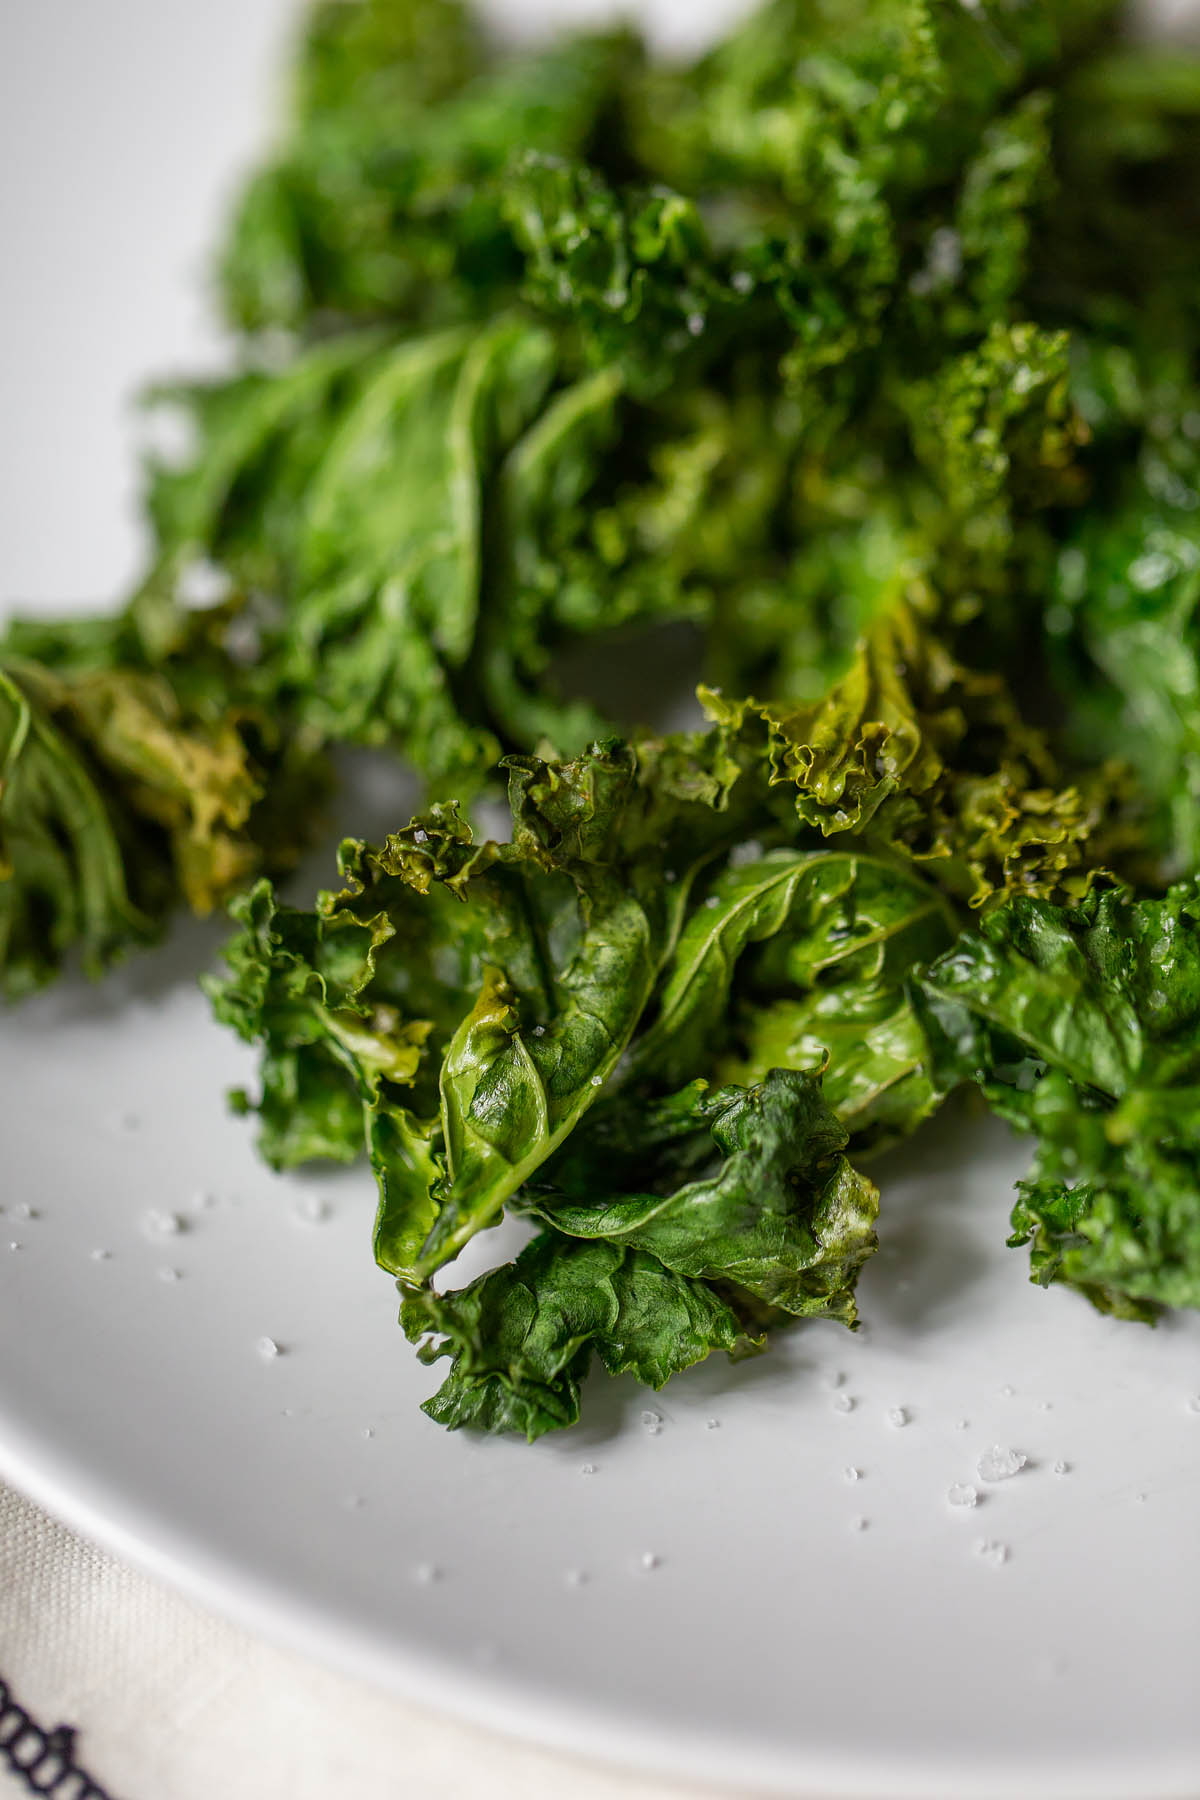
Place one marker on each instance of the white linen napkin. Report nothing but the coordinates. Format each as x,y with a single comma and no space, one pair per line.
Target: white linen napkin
170,1702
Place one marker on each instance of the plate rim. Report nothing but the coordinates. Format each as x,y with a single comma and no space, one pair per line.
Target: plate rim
513,1708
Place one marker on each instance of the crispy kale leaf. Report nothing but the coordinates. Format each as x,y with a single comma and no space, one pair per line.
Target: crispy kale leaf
800,960
861,354
386,202
525,968
522,1337
779,1212
582,345
1080,1025
932,761
116,804
776,1224
348,492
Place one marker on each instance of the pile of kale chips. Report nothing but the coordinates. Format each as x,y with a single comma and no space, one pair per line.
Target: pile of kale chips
855,365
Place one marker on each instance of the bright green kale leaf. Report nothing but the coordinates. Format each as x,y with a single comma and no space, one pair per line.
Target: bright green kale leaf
800,960
521,1338
304,985
347,495
1081,1025
797,960
775,1210
532,961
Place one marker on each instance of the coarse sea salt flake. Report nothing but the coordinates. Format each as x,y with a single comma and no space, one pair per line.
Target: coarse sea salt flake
999,1464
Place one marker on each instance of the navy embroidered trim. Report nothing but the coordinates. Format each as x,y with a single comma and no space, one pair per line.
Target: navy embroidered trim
44,1760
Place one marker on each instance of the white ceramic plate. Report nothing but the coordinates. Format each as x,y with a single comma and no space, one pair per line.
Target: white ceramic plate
712,1594
798,1627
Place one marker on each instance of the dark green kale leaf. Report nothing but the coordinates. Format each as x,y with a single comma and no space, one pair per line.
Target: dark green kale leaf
775,1225
1122,629
1080,1024
521,1337
386,200
693,242
775,1209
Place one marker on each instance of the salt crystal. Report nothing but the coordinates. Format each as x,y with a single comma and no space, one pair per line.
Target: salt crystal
100,1255
962,1494
649,1560
859,1523
587,1469
268,1348
312,1211
168,1275
992,1552
853,1474
426,1573
652,1422
998,1464
23,1210
843,1403
898,1416
157,1224
576,1577
712,1424
1061,1468
595,1081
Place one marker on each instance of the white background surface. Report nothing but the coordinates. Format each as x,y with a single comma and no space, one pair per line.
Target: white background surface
774,1641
